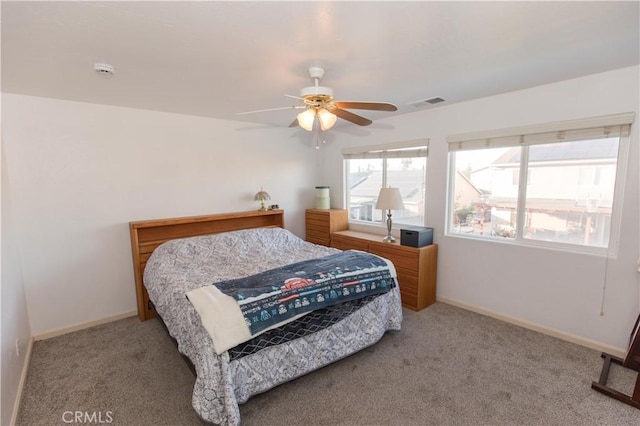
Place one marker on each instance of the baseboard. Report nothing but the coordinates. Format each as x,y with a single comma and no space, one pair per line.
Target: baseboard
82,326
592,344
23,379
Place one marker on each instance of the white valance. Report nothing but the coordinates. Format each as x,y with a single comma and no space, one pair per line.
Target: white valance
404,149
562,131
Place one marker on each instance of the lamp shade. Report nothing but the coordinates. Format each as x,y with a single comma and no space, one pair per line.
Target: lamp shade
306,119
327,119
262,195
389,199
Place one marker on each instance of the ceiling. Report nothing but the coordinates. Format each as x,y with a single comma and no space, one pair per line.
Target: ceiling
216,59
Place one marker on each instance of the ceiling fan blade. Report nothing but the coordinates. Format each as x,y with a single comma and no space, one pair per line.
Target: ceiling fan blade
270,109
349,116
377,106
294,123
294,97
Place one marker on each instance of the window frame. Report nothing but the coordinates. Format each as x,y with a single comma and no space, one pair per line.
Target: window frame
616,124
415,148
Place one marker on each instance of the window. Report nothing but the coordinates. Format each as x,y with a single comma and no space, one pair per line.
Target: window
552,185
401,165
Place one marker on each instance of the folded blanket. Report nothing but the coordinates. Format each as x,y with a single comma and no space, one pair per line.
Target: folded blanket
235,311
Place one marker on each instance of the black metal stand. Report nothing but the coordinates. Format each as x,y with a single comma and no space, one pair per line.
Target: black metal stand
601,385
631,361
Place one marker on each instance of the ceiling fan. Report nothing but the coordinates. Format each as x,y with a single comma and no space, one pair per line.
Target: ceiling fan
321,110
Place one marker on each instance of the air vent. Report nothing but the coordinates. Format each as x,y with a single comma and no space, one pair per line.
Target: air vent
431,101
434,101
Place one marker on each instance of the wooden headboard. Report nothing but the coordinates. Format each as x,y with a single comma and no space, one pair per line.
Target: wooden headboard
148,234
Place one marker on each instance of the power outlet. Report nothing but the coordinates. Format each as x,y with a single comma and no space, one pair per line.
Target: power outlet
17,347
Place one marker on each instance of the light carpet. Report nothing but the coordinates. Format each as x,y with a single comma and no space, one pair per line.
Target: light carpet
447,366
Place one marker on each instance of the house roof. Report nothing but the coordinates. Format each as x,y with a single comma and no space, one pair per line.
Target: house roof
409,181
464,177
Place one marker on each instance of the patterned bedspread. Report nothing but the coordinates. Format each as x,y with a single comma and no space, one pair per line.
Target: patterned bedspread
179,266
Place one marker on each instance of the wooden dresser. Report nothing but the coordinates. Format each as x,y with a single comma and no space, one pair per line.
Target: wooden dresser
416,267
320,224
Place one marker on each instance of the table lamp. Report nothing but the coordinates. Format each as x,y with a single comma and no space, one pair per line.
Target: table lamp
389,199
261,196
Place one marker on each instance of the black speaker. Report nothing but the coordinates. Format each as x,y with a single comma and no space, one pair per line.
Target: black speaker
416,236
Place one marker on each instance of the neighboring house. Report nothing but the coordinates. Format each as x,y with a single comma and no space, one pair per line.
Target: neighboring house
467,196
569,192
364,195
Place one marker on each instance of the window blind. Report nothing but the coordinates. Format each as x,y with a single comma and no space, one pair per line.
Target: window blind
563,131
405,149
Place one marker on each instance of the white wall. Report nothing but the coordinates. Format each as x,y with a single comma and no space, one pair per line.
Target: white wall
15,320
81,172
556,290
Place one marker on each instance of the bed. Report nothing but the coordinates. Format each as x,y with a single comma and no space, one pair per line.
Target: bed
175,257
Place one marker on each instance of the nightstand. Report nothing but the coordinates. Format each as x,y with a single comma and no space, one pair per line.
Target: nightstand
416,266
321,223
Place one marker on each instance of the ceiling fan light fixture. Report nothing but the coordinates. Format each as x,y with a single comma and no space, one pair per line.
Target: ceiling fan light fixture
306,119
326,118
320,111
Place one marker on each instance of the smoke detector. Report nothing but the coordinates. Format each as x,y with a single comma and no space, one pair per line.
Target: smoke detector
104,69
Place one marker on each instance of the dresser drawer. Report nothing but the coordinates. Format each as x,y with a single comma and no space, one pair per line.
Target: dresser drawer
321,241
408,299
317,235
318,221
346,243
408,281
320,224
318,227
400,259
